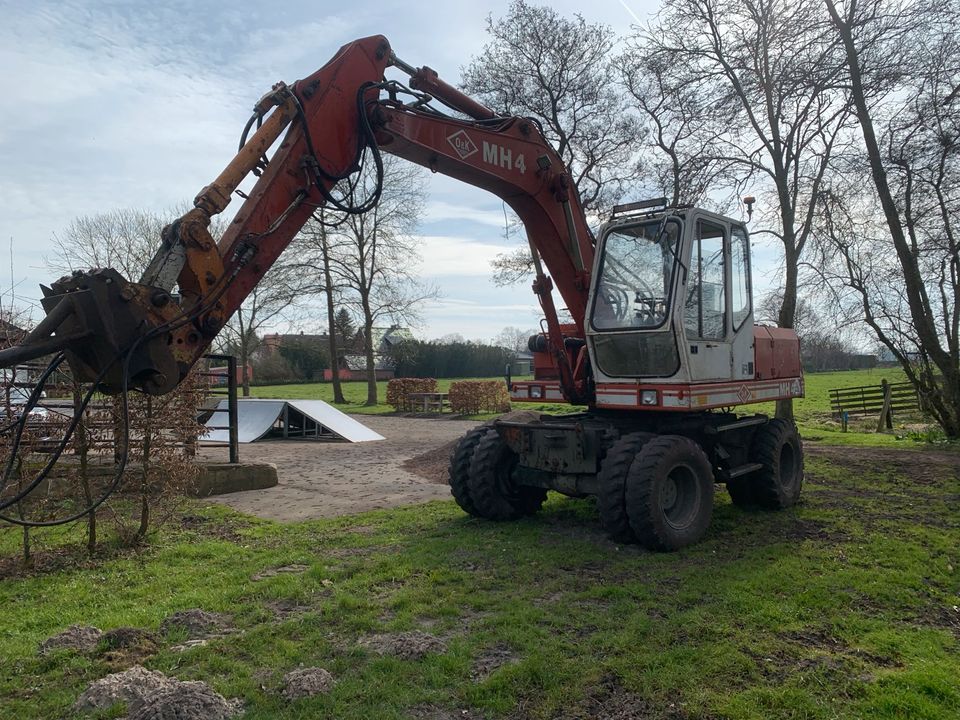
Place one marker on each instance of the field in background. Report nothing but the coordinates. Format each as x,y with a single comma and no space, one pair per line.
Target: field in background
812,412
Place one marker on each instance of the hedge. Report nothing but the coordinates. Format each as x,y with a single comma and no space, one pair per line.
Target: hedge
475,396
399,388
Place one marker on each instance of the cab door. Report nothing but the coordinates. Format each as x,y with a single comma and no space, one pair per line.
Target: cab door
718,313
706,318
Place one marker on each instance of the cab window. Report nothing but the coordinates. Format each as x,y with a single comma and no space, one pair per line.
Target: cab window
705,314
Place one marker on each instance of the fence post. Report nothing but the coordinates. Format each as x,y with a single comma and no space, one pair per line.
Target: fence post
232,408
885,420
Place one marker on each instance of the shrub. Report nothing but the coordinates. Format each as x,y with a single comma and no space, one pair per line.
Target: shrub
476,396
399,388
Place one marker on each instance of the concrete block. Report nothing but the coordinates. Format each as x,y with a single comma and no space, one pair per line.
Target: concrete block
223,478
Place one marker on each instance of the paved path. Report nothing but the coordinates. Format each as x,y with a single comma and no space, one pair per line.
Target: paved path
327,479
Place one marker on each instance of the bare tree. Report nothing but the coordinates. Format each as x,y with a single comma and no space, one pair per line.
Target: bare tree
561,71
315,247
773,73
902,274
514,338
684,117
124,239
273,300
373,256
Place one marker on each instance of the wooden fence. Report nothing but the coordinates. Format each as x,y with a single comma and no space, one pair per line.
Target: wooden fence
883,400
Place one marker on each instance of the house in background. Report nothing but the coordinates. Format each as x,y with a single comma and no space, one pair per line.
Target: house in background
352,364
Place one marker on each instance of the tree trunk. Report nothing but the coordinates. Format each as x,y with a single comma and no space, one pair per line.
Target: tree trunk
788,313
145,480
371,361
244,359
331,317
83,447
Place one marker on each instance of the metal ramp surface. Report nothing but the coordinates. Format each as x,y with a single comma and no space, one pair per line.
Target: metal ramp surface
289,419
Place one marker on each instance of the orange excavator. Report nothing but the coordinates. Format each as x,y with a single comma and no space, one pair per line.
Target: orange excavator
660,345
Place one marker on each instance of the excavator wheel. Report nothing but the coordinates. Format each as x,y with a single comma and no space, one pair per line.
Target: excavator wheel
669,493
612,483
494,493
460,469
778,448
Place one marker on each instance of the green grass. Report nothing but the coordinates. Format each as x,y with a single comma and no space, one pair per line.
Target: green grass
843,607
355,394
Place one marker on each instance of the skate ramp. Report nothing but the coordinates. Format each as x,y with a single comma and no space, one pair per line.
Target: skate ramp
287,419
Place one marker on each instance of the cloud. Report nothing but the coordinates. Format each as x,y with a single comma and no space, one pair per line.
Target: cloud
444,255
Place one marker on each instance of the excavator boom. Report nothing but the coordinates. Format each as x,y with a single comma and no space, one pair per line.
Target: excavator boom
123,334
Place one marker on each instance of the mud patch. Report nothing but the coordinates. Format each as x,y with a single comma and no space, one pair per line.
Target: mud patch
196,623
287,609
79,638
294,569
413,645
923,467
306,682
491,660
612,702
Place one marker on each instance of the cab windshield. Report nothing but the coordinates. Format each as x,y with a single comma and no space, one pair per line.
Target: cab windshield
636,272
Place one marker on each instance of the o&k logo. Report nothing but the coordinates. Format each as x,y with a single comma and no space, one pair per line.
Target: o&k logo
462,143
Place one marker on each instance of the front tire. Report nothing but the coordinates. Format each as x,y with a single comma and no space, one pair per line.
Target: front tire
612,483
669,494
777,446
459,471
493,491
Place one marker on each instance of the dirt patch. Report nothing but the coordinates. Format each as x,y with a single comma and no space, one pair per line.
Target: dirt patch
435,712
124,687
413,645
123,647
612,702
295,569
219,528
286,609
184,701
491,660
80,638
923,467
306,682
433,465
196,623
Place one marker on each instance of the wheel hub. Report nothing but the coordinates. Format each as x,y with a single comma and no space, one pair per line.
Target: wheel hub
668,494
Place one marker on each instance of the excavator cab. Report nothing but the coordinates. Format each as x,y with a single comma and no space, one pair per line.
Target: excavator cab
670,298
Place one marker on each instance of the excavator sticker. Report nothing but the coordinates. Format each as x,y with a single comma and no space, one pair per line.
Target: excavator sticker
501,156
462,143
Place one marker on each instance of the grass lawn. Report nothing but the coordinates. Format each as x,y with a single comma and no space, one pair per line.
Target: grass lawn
843,607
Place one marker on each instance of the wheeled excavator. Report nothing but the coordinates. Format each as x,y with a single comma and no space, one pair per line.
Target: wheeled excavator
657,348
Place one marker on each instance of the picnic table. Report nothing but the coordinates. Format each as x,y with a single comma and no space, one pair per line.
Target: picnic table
427,401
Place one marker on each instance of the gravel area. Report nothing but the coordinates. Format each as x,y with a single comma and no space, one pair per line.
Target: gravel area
327,479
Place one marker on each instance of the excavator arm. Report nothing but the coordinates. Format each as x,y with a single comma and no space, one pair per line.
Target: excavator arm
121,334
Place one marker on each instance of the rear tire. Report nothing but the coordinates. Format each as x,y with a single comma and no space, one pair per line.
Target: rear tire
669,493
494,493
612,484
777,446
459,471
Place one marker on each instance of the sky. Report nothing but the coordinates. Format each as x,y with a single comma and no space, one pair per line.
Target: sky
110,105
